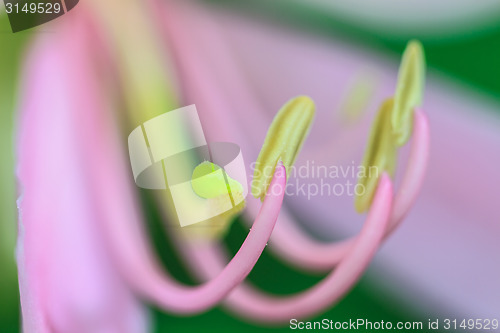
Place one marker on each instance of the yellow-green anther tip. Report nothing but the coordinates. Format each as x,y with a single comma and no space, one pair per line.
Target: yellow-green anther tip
380,156
393,124
284,139
409,91
209,181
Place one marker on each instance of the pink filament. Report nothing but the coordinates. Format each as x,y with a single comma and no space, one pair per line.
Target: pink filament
252,304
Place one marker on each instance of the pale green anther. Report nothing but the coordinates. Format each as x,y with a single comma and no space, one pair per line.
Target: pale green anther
210,181
380,157
409,91
283,141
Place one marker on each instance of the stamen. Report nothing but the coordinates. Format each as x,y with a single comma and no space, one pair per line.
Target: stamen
283,141
251,303
380,156
409,91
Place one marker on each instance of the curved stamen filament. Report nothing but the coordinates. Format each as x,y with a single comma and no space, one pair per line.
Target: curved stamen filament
252,304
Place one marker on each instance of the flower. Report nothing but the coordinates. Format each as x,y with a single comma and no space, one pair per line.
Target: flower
82,254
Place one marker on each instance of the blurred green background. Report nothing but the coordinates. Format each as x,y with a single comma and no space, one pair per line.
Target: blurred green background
11,46
472,58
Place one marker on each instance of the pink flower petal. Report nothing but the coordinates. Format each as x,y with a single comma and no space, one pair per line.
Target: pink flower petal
67,280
